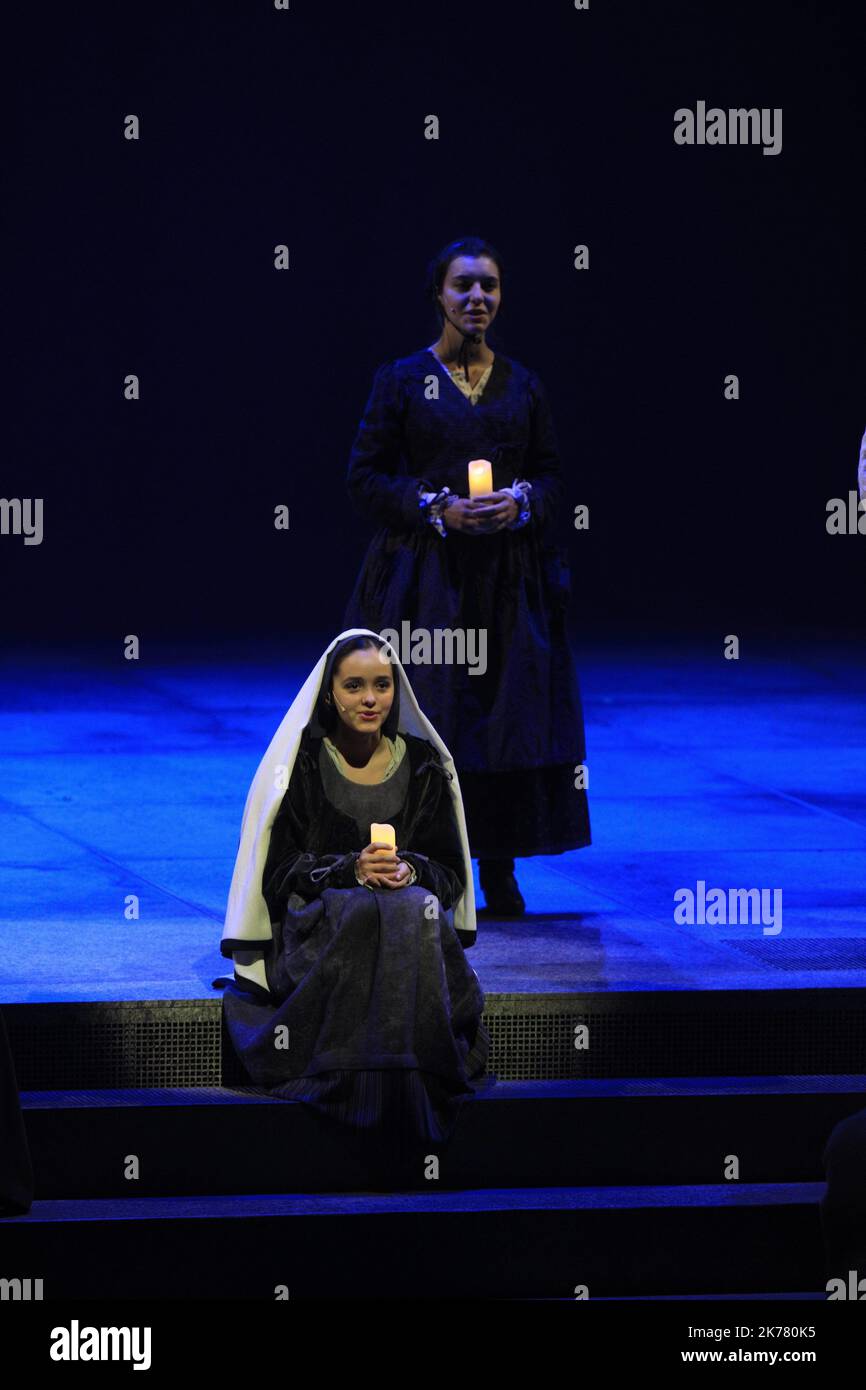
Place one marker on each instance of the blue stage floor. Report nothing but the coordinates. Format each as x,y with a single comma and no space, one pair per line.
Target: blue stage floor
121,778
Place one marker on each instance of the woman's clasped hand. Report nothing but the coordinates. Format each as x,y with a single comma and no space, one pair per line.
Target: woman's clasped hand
381,869
481,514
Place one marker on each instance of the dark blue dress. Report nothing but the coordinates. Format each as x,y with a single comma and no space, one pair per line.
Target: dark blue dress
516,731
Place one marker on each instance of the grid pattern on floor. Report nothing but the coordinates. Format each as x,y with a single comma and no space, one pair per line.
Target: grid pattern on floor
813,952
533,1037
163,1043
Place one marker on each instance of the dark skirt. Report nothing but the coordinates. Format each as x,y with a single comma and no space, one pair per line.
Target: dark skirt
377,1015
515,729
513,815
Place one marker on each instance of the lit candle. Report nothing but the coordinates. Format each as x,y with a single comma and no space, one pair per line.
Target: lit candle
480,478
385,834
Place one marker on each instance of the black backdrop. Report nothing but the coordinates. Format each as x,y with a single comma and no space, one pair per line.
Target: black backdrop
306,127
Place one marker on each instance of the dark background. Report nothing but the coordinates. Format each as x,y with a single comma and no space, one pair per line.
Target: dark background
307,127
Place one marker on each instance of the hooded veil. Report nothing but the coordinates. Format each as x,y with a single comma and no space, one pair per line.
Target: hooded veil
247,922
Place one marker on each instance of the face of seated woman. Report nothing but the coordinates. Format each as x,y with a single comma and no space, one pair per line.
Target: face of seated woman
362,692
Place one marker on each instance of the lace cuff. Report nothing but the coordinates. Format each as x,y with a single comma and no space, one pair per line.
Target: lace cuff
432,506
519,490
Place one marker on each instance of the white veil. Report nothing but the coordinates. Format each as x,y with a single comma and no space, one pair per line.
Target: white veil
247,916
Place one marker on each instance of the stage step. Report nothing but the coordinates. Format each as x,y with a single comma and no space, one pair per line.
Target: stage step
541,1037
505,1243
202,1141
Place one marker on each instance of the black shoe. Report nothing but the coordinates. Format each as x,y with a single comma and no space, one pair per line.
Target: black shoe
502,897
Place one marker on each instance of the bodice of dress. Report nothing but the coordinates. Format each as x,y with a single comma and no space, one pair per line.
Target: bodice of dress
407,431
519,489
378,802
472,393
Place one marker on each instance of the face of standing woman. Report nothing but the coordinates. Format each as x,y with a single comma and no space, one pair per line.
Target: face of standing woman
362,691
471,292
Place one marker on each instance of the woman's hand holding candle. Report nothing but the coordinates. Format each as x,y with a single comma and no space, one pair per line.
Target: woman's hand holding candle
400,877
483,510
378,863
481,515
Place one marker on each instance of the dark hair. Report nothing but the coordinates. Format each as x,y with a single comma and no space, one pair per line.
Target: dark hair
438,267
325,716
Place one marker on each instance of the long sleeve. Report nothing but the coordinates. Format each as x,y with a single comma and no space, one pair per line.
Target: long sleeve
375,483
542,467
290,868
436,850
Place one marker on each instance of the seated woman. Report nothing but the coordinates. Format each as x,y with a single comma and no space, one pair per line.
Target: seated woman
351,988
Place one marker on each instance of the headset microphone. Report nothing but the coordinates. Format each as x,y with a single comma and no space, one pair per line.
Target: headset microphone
342,707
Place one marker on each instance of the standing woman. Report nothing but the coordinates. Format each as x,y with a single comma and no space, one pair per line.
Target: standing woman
442,560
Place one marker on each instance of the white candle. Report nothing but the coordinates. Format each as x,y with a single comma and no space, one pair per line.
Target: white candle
480,478
385,834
